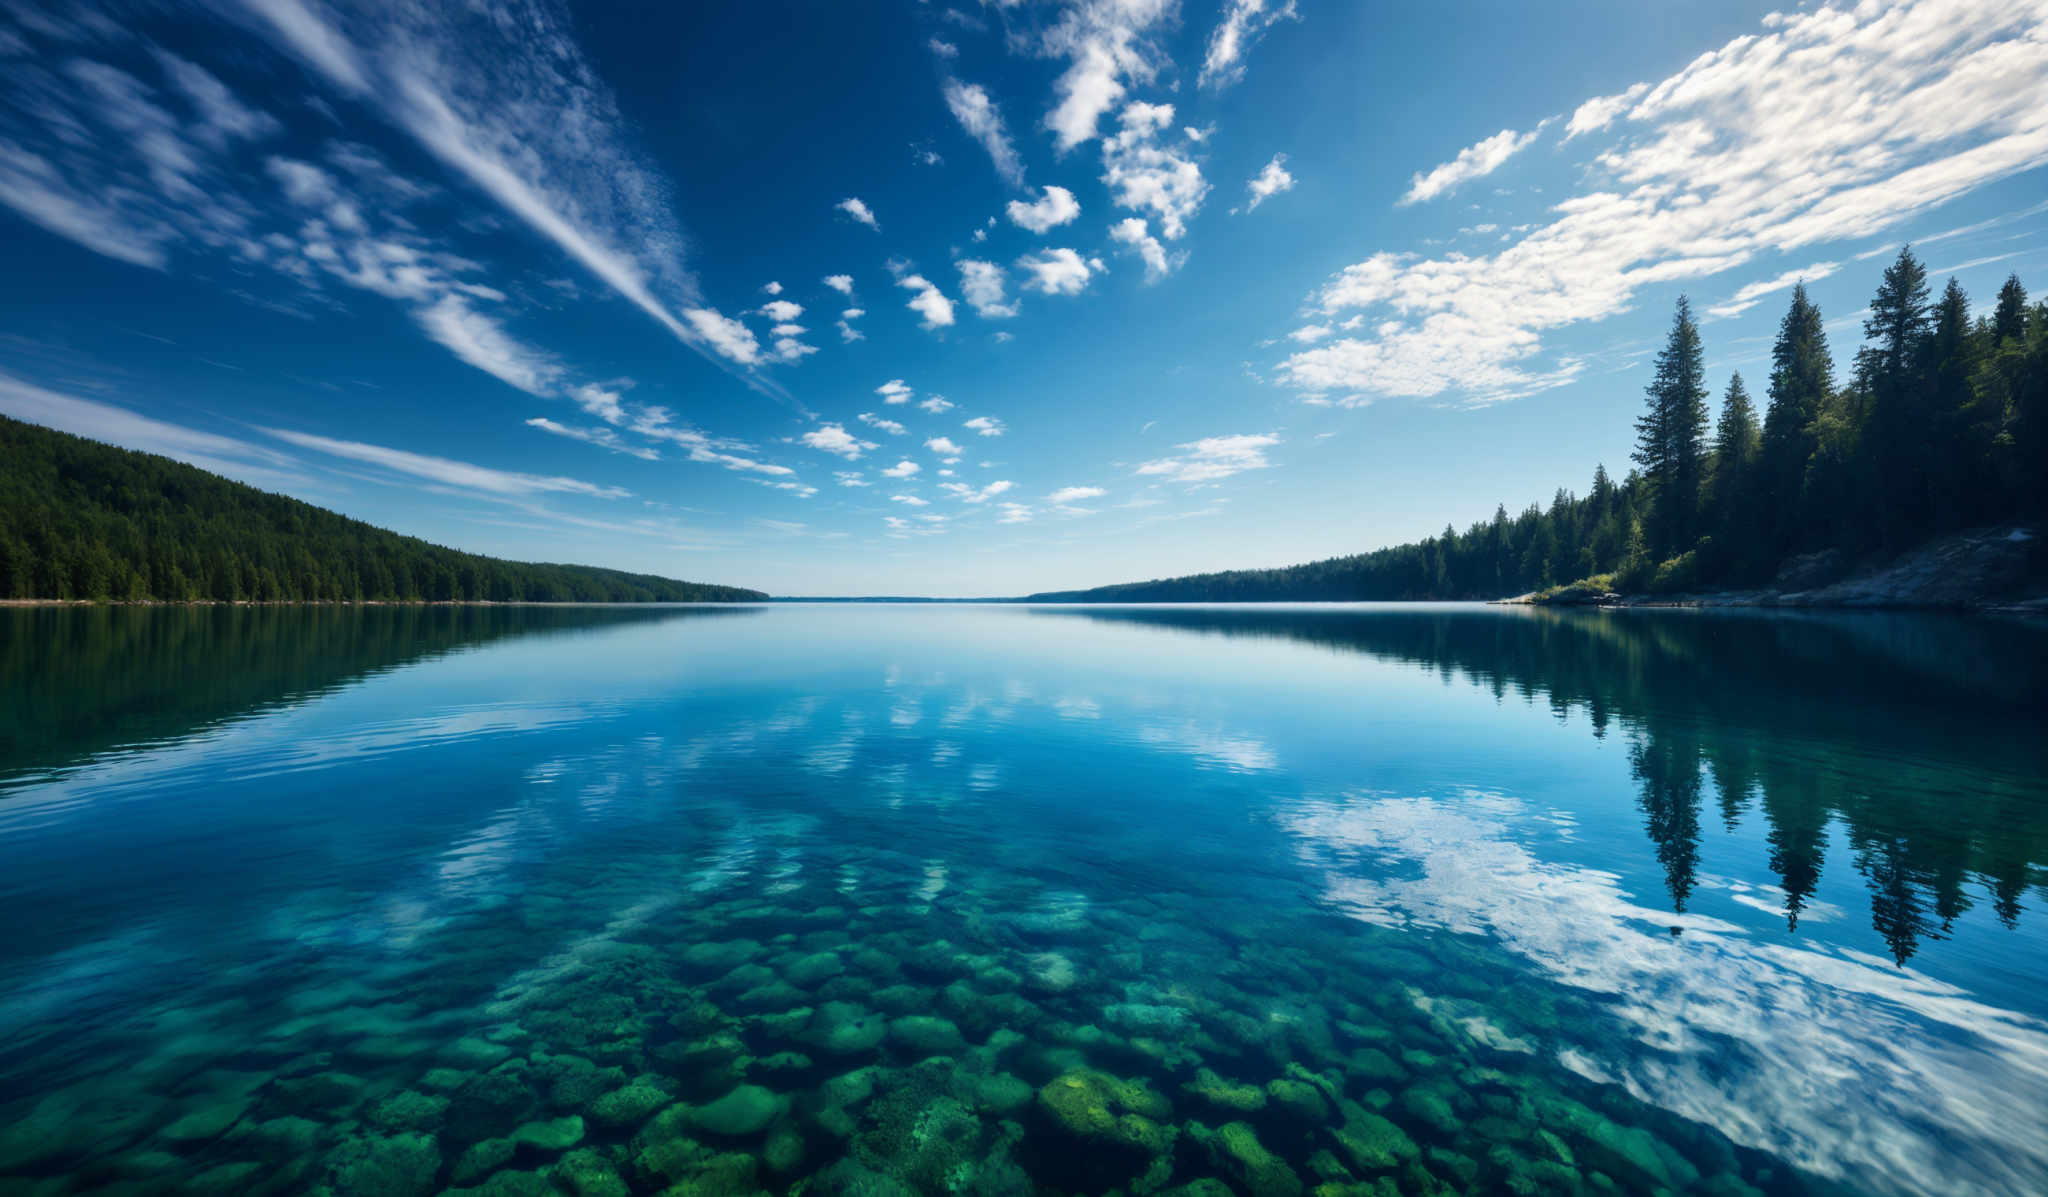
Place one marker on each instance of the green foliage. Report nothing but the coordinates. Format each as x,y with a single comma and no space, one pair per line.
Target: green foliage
83,520
1943,426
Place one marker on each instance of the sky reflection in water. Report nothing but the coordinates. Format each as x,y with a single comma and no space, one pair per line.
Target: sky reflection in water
1767,874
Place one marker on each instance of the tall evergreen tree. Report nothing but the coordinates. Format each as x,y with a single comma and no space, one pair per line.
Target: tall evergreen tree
2009,320
1671,437
1802,378
1731,489
1960,437
1900,415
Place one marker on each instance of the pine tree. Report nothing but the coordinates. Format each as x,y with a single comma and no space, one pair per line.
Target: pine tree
1671,437
2009,321
1901,424
1731,490
1802,378
1960,435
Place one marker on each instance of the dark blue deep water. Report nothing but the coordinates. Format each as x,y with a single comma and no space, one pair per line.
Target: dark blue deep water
1005,900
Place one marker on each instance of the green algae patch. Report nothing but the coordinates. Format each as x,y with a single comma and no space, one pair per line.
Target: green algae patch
628,1107
1226,1095
557,1134
745,1111
1108,1111
1235,1150
926,1035
1372,1143
391,1166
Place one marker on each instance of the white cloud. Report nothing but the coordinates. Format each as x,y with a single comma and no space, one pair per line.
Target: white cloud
782,311
1309,334
599,435
446,471
1074,494
937,404
602,402
1596,114
833,438
853,207
927,301
1825,126
1749,296
902,469
1213,457
1055,272
480,341
1146,176
1244,23
978,115
986,425
1057,206
1270,181
894,391
1104,43
943,48
1132,233
1015,513
889,426
1472,162
842,283
732,340
772,287
968,494
982,285
943,446
910,500
655,423
848,478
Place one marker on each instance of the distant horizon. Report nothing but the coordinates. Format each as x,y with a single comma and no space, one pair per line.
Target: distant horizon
959,301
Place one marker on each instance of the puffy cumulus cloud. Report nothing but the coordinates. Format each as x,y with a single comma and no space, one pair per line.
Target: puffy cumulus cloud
943,446
1271,180
902,469
982,284
1749,296
850,478
876,422
910,500
1104,42
1147,175
1472,162
937,404
1309,334
1069,495
733,340
772,287
1057,206
985,426
600,435
835,439
842,283
943,48
847,332
1244,23
1213,457
1827,125
895,391
853,206
782,311
1055,272
968,494
927,301
1133,233
971,106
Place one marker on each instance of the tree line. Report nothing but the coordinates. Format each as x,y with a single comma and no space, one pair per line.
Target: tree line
1941,424
84,520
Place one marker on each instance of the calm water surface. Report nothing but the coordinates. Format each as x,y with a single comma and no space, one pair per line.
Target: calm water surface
1005,900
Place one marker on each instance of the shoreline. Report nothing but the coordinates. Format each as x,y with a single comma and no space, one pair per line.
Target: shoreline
49,602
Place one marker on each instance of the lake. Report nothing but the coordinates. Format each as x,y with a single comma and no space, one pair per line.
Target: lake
890,899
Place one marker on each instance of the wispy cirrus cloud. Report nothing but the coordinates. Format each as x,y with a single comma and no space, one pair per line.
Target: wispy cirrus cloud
1244,23
1213,458
977,113
1473,162
446,471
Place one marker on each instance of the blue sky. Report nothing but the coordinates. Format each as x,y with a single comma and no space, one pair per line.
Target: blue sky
961,300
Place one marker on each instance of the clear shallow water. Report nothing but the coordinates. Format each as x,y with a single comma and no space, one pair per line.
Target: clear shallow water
989,900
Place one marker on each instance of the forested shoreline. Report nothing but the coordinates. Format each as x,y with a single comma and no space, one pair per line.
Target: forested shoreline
85,521
1941,425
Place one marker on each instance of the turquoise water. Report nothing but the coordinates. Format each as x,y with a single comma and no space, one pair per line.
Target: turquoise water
1003,900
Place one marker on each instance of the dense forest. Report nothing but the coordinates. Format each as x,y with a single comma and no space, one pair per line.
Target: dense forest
1940,425
83,520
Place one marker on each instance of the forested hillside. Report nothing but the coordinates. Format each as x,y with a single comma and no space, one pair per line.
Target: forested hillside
1941,424
83,520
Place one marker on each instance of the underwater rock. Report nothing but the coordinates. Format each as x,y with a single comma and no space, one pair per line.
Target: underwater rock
809,972
1223,1094
784,1151
926,1035
408,1110
205,1123
587,1173
1002,1093
1236,1151
475,1054
1431,1108
1106,1111
279,1138
901,999
745,1111
844,1029
236,1178
390,1166
326,1093
712,959
489,1105
1374,1066
574,1082
480,1160
1299,1100
630,1106
1207,1186
1372,1143
556,1134
776,995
